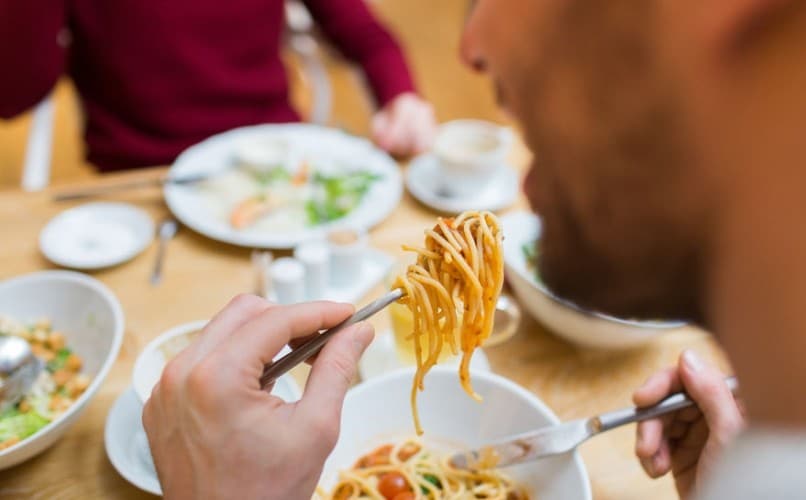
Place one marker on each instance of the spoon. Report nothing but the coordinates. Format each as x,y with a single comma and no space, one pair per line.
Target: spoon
19,368
166,231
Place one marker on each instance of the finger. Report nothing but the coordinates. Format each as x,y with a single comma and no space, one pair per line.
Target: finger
263,337
380,127
393,136
238,312
676,429
657,387
333,373
707,387
425,125
662,461
649,435
299,342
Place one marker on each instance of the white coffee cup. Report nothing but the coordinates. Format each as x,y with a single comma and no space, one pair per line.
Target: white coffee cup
470,154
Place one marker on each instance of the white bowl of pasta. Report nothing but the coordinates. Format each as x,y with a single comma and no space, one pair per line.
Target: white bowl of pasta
75,325
522,231
377,413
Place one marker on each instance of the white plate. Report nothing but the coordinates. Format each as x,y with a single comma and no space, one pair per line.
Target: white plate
381,357
423,182
377,412
96,235
215,154
127,445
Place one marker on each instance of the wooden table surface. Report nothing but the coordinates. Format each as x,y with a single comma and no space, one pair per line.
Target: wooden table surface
202,275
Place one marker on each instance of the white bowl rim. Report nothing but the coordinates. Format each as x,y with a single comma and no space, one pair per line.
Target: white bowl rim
492,378
117,341
176,331
658,325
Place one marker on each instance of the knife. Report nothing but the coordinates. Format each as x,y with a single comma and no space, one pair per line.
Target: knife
563,438
77,194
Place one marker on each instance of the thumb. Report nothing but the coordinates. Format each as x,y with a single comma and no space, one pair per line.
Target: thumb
706,386
333,372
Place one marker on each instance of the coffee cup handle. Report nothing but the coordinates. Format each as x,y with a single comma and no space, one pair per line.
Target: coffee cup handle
507,320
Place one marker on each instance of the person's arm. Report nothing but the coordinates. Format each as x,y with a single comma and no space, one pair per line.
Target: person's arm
405,122
31,54
688,442
215,434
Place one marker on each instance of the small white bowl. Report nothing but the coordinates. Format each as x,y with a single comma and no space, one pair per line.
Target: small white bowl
567,320
377,412
149,364
96,235
90,316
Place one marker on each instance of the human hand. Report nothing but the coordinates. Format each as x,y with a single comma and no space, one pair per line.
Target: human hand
405,126
689,441
214,433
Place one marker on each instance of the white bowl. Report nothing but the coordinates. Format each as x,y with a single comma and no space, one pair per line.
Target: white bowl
377,412
580,326
90,316
150,363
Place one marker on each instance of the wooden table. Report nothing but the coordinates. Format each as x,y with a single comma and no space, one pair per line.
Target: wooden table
202,275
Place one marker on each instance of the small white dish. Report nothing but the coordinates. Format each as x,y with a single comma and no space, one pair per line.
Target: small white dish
378,412
127,445
424,182
96,235
381,358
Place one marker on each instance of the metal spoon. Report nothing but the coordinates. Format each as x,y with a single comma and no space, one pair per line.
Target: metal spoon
166,231
19,369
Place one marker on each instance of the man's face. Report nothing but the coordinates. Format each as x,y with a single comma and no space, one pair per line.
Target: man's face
615,177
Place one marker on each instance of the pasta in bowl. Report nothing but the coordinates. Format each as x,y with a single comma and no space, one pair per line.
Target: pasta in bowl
376,414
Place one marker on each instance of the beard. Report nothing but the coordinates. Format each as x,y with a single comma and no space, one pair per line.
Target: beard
624,217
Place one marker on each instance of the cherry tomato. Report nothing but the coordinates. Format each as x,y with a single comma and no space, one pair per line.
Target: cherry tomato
392,484
406,495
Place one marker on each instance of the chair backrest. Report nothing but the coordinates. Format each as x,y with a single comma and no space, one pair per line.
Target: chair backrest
36,168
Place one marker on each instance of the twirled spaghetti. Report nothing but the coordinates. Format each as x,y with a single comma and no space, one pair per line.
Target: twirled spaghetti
451,291
407,471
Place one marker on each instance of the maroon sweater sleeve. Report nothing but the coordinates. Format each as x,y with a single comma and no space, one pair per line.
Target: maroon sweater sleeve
30,53
360,37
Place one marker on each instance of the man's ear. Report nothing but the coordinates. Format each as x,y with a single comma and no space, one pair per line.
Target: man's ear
728,24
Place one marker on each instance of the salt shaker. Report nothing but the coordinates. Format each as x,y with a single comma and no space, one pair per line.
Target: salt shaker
261,263
315,257
288,279
347,251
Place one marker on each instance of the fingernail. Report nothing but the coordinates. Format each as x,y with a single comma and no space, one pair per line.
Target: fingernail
692,361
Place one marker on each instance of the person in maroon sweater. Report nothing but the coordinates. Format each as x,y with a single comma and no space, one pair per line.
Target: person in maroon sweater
156,77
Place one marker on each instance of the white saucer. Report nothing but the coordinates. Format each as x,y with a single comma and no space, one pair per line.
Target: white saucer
381,357
127,445
422,181
96,235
